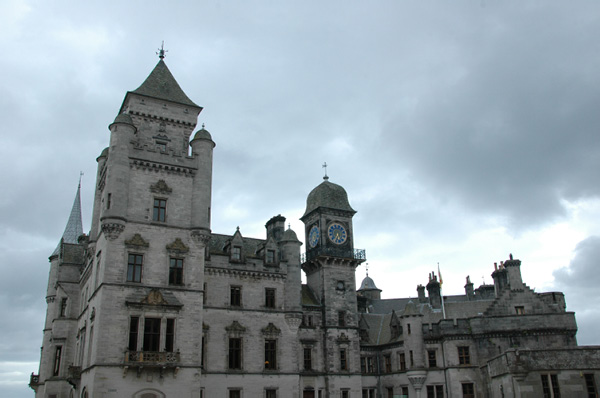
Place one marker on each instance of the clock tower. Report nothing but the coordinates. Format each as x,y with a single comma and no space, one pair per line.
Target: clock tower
330,263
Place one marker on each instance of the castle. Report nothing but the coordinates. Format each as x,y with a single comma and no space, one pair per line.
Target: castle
153,304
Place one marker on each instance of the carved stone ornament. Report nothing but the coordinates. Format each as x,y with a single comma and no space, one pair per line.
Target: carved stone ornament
201,236
112,230
205,327
137,241
235,327
177,247
155,297
417,378
271,330
161,187
293,321
343,339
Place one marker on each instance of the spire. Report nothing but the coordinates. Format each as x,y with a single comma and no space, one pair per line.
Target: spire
162,85
74,228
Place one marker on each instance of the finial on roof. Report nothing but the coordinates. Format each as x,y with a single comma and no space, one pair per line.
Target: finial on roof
367,268
289,226
203,126
161,51
80,175
325,177
238,228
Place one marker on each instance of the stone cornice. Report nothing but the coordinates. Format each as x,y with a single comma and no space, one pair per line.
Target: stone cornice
243,273
157,166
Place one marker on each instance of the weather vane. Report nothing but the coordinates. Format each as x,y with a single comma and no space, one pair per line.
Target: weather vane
367,268
80,175
325,167
161,51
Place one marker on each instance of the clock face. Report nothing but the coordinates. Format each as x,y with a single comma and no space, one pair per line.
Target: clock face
337,233
313,236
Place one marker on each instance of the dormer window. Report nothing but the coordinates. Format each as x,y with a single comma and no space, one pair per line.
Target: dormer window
236,253
270,257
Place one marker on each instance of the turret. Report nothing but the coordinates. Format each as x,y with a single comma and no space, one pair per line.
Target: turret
202,150
116,190
289,246
97,208
513,267
369,290
412,327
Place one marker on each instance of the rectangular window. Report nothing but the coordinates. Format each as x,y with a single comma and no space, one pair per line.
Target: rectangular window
204,293
133,333
108,201
363,364
307,358
235,296
161,146
160,210
63,307
590,385
368,393
236,253
57,358
170,335
151,334
345,393
436,391
343,360
270,257
519,310
555,389
235,393
271,393
176,271
370,367
341,318
550,387
408,328
432,358
402,361
269,297
271,354
468,390
412,359
235,353
134,268
387,361
463,355
307,320
404,392
390,392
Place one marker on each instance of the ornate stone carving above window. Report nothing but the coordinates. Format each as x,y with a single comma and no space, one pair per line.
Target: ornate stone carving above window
271,330
177,247
137,242
161,187
235,329
343,339
155,297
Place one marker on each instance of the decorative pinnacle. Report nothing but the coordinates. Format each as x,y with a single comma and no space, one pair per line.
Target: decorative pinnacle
202,126
325,177
80,175
367,268
161,51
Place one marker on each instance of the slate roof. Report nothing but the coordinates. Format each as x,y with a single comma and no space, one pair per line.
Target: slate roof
74,227
329,195
308,297
162,85
218,242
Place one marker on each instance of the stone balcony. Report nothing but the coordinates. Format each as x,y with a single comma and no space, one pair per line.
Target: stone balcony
152,358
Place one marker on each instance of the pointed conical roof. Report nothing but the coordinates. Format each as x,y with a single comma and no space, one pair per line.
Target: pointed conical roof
74,228
162,85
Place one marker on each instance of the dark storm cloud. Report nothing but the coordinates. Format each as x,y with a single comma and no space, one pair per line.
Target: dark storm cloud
510,126
580,281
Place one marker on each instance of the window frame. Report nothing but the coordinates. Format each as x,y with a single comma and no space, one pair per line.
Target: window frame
175,271
159,210
235,295
270,354
270,296
464,355
234,353
135,268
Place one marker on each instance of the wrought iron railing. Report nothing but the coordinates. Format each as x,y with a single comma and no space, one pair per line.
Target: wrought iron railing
151,357
356,254
34,380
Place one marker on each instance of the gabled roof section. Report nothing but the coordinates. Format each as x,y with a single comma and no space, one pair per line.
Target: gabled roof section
74,228
162,85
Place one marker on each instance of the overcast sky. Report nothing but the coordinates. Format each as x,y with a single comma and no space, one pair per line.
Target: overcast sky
462,131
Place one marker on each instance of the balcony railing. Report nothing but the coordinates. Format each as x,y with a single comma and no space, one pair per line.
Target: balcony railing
152,357
34,380
356,254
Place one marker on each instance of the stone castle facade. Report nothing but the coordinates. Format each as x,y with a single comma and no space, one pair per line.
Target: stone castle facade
153,304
